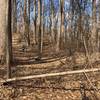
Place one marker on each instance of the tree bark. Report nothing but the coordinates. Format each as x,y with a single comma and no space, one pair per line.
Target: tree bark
35,25
58,37
26,23
3,4
62,24
52,21
39,31
14,16
94,27
9,39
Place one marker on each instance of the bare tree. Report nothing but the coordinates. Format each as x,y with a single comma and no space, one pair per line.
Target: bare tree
39,32
2,27
14,16
52,21
5,33
62,23
94,27
26,22
35,20
59,29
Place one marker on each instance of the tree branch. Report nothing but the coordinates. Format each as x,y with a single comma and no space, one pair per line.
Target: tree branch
50,75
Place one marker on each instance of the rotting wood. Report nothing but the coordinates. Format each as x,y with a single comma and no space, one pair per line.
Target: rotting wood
50,75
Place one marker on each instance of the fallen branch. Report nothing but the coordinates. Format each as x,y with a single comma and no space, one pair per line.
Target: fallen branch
50,75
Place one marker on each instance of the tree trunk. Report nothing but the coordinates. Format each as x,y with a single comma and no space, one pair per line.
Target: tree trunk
39,32
94,27
26,23
52,21
35,25
62,24
9,38
3,4
59,30
14,16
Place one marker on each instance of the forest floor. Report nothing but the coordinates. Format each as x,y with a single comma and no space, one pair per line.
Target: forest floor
68,87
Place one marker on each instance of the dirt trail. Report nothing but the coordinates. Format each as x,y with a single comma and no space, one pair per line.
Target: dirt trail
70,87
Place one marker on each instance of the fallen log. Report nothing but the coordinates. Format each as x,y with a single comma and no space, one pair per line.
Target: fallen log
50,75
